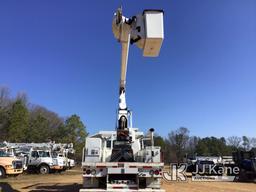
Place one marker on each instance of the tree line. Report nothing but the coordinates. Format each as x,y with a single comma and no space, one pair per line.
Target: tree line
179,145
21,121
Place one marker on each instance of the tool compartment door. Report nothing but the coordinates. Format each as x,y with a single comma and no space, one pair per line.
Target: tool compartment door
93,150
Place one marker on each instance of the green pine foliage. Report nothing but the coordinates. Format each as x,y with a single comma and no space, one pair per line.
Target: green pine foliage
18,122
21,121
24,122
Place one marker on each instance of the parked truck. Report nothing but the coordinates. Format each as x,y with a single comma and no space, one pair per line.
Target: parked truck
42,157
9,165
43,161
246,161
126,159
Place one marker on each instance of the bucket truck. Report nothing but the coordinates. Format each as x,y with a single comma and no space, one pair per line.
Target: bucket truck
42,157
123,160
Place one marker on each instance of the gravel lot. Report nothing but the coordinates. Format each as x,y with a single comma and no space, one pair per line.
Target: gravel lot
71,181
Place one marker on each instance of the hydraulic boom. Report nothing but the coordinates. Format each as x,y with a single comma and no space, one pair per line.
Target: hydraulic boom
146,30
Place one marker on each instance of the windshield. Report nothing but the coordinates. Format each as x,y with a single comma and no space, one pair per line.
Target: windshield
44,153
3,154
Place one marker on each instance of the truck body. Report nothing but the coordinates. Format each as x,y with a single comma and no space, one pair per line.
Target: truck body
99,174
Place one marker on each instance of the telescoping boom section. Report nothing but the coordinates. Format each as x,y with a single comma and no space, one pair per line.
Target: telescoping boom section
126,159
146,31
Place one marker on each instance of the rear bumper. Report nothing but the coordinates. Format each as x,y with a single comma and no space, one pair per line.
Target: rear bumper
125,190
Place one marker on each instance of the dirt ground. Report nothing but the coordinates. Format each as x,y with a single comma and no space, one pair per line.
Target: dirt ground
71,181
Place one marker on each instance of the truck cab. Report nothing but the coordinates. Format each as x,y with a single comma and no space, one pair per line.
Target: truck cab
42,161
9,165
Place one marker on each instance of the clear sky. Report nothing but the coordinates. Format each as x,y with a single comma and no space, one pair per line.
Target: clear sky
64,56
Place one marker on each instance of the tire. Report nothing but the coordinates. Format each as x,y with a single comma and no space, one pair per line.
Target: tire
2,173
44,169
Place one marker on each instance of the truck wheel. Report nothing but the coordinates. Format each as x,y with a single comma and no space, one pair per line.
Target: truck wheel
44,169
2,173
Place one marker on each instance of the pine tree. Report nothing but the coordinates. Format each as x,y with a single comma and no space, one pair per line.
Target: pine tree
75,132
18,122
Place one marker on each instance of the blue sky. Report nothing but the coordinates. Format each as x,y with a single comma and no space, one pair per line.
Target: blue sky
64,56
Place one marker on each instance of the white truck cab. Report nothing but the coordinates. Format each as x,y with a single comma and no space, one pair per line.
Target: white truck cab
44,162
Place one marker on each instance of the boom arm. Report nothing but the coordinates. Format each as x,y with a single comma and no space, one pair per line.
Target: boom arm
122,30
146,30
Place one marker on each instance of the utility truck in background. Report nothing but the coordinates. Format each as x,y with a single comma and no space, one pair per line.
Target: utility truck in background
43,158
126,159
9,165
246,161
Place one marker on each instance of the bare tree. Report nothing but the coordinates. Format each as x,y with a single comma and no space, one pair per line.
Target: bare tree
22,96
246,143
234,141
178,141
252,142
191,145
54,120
4,96
5,102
